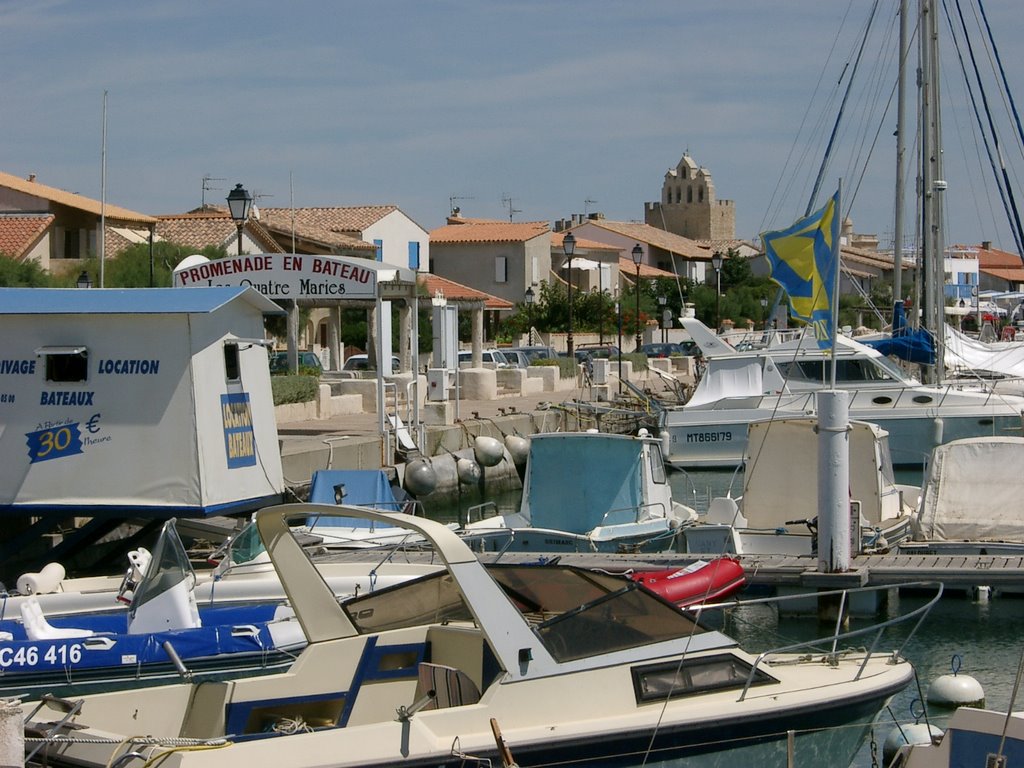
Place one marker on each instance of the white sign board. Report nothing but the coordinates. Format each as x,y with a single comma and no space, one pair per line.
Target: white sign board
285,275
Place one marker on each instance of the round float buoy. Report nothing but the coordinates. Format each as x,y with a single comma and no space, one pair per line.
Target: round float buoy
488,451
420,478
956,690
469,471
917,733
518,448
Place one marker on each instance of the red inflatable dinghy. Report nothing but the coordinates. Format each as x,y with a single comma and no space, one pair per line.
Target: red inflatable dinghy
701,582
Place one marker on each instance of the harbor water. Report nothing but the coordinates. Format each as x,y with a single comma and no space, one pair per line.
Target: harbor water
983,634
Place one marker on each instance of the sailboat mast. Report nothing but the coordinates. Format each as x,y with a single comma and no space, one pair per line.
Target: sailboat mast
933,185
901,117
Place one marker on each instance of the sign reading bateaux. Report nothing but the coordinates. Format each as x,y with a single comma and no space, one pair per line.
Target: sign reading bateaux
284,275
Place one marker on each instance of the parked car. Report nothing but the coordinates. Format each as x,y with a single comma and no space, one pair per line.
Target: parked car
590,351
516,359
534,352
279,362
668,349
361,363
494,357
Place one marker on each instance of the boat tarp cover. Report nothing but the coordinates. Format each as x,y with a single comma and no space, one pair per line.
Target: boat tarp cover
973,491
363,488
728,378
578,482
1006,357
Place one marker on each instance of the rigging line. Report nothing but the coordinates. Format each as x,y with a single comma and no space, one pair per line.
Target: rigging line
839,117
1002,72
1010,201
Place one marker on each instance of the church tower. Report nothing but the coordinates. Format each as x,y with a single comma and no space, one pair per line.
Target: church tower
688,206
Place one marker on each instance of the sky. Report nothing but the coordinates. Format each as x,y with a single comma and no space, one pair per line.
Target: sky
538,109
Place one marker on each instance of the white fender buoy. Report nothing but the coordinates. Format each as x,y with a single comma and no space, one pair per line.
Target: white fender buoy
518,448
469,471
420,478
488,451
956,690
917,733
47,580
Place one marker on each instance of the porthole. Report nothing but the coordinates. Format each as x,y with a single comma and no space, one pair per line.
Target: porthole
881,400
922,399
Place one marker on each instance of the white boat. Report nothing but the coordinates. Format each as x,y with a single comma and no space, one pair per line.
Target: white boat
590,492
972,737
971,499
549,665
779,380
777,511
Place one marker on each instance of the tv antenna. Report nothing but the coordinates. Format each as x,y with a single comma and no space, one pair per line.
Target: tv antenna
451,203
508,201
207,187
586,206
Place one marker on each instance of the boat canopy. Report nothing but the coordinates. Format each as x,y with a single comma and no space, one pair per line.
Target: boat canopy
972,492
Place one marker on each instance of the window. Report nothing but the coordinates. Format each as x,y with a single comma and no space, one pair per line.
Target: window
501,269
72,244
657,465
65,364
414,254
681,678
379,245
231,368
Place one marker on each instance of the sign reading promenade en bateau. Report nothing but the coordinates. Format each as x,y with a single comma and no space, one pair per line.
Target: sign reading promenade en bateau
286,275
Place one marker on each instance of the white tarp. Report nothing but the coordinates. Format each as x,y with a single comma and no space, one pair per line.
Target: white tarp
729,378
1006,357
973,492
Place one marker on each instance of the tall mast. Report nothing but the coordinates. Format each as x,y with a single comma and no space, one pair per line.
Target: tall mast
901,116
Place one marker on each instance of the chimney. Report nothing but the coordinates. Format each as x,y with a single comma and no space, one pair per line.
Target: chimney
986,245
31,177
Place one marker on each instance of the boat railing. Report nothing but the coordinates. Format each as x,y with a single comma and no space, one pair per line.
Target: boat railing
832,654
633,513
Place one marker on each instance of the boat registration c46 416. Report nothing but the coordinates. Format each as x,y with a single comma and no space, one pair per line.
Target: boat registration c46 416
721,436
29,656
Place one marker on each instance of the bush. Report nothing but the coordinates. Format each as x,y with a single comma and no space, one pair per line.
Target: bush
638,359
294,389
568,368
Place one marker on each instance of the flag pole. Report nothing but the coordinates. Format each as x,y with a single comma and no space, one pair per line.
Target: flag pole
836,248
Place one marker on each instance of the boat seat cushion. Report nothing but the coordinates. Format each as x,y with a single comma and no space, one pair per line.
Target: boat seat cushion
725,511
38,628
452,687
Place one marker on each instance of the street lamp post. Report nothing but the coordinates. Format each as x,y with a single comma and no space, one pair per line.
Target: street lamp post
638,254
239,203
569,247
716,262
529,311
764,312
84,281
662,301
618,314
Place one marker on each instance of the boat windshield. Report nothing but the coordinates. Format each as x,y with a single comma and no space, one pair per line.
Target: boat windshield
858,371
168,567
575,612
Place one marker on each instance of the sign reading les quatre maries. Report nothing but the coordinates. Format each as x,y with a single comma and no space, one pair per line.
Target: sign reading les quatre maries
285,276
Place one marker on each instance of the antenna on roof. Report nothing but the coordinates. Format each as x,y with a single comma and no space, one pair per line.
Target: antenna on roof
586,206
207,187
453,209
508,201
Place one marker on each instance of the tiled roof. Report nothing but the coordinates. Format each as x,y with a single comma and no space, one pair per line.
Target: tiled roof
330,227
724,246
582,244
658,238
72,200
1008,274
628,269
458,292
995,258
18,233
198,230
489,231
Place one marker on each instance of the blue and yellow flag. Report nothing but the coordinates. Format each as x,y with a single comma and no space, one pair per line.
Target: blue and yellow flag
803,260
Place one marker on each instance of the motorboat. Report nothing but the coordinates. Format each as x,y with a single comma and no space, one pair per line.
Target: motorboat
590,492
537,665
970,501
777,509
161,636
782,379
972,737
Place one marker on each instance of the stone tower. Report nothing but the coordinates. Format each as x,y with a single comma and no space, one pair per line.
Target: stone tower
688,206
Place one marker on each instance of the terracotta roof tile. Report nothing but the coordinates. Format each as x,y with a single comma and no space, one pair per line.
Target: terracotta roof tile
330,227
659,238
198,230
582,244
628,269
457,291
19,233
72,200
489,232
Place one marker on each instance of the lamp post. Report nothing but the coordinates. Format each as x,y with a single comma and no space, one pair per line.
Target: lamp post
764,312
239,203
569,247
618,314
638,254
83,281
529,311
716,262
662,301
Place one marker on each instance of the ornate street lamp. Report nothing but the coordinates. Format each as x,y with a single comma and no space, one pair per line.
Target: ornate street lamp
529,310
716,262
569,247
638,255
84,281
239,203
764,312
662,302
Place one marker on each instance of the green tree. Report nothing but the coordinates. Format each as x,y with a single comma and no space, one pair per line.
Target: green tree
26,274
131,267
